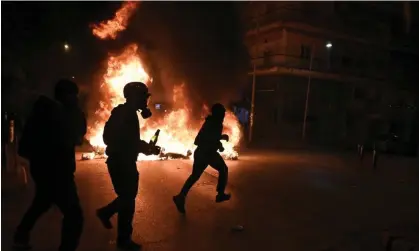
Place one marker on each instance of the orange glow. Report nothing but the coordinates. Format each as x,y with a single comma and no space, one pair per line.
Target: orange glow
111,28
178,129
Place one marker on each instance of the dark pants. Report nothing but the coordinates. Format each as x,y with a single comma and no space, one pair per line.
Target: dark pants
201,161
62,193
124,176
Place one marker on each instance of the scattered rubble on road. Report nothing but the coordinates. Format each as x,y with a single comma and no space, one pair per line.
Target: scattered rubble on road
100,154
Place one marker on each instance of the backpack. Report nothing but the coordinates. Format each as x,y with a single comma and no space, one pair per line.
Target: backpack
40,128
109,130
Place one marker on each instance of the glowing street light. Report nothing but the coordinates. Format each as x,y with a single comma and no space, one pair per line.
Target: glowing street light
66,47
328,46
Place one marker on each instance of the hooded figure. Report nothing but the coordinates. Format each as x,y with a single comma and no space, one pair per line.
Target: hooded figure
48,141
208,142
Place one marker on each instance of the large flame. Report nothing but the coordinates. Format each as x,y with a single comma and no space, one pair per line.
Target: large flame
111,28
178,129
121,69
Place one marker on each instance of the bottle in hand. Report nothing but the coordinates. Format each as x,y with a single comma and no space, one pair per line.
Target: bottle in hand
155,137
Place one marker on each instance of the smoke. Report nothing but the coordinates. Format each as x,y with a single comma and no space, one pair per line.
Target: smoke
198,43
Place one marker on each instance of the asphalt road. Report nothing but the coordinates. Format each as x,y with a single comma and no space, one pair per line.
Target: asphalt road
285,201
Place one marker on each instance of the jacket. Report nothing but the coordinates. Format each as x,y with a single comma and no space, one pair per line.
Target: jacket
209,135
122,134
49,138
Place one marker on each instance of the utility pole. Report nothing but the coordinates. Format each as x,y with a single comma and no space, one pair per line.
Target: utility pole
329,47
252,107
308,94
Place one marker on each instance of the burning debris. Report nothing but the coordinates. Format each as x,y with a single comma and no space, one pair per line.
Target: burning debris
169,156
178,129
88,156
99,154
231,157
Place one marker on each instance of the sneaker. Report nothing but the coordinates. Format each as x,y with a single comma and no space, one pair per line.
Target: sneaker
179,201
128,245
104,219
21,243
222,197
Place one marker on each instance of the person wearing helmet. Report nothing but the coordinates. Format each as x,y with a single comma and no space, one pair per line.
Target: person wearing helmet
122,137
48,142
208,142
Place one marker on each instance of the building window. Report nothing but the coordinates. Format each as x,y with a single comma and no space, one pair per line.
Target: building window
361,64
359,93
338,6
347,61
270,7
380,65
267,57
305,51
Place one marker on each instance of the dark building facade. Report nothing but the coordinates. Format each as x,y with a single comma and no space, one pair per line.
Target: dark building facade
346,51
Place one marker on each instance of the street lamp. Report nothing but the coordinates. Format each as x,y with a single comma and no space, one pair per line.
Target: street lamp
252,106
328,46
66,47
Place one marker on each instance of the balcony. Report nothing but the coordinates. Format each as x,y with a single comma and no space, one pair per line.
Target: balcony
334,66
357,27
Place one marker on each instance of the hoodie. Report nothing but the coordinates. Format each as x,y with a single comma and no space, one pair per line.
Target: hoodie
40,128
49,138
209,135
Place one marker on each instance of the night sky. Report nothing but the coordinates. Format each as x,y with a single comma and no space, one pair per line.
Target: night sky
199,43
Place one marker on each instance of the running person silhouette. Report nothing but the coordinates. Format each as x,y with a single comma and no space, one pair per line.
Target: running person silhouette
208,141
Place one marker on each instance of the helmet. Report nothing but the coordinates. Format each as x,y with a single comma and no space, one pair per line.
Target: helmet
218,109
138,93
135,89
65,87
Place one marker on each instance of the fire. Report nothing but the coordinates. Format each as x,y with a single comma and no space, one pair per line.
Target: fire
178,129
111,28
122,69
